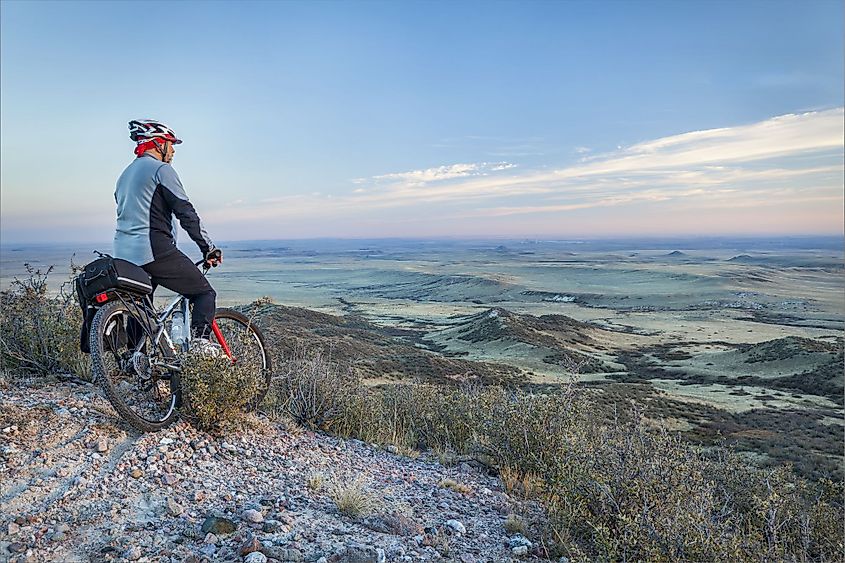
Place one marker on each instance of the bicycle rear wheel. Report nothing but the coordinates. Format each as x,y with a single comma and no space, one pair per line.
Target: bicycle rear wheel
127,364
246,346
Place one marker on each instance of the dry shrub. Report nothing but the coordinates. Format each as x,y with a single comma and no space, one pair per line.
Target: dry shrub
623,492
614,490
515,525
39,333
312,390
443,418
215,392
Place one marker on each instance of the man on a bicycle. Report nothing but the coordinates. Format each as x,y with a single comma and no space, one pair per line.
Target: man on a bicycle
149,194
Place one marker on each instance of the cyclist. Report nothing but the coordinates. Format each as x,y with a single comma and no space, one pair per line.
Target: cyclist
149,194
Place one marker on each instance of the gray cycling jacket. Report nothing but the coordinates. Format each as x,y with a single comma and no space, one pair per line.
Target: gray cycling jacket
149,199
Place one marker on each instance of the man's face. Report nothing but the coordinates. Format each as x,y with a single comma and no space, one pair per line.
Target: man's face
169,151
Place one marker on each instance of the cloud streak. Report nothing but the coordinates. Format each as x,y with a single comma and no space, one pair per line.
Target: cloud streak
789,158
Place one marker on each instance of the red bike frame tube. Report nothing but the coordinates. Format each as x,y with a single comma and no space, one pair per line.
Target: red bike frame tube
222,341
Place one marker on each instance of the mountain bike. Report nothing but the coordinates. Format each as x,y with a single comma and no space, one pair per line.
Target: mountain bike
138,356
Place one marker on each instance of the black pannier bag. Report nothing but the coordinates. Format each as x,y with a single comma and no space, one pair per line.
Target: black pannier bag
103,275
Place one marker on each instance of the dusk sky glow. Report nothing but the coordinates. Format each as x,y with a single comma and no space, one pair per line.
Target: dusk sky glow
464,119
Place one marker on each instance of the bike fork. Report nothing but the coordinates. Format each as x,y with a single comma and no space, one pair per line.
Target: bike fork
222,341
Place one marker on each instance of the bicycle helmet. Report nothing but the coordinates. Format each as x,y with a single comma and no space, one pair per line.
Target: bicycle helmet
143,130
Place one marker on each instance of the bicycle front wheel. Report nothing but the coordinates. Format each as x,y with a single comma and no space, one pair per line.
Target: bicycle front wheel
245,345
128,365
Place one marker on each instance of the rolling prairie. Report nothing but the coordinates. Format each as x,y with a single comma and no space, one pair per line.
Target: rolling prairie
736,340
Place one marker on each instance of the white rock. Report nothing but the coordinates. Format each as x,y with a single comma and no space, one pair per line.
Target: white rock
520,550
133,553
252,516
255,557
166,441
456,526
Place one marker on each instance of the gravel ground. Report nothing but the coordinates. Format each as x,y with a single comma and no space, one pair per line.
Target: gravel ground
76,484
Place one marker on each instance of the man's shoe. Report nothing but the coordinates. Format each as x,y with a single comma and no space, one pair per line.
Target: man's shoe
206,347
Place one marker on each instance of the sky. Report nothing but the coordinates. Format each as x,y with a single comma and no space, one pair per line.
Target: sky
430,119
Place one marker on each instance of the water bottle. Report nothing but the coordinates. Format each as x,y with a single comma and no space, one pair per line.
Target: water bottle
177,328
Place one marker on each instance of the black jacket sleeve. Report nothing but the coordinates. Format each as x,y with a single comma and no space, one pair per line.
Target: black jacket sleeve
175,197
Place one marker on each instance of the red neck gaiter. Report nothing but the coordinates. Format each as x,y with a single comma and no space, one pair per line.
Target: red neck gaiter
143,147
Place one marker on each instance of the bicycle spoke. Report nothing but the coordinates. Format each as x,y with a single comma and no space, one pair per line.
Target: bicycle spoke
134,379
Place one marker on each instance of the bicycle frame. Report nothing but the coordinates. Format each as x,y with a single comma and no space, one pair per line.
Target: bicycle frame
182,302
159,329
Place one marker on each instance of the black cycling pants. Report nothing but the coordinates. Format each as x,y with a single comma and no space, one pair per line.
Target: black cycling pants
177,273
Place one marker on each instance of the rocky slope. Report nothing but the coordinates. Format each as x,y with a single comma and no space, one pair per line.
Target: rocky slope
78,485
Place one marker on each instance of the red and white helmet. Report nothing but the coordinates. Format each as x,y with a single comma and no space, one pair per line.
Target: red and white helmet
141,130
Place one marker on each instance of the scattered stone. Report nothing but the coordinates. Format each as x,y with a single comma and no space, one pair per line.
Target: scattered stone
218,525
102,444
210,539
174,508
456,526
283,554
252,516
249,546
255,557
169,479
133,553
136,473
355,553
166,441
392,449
17,547
520,550
518,540
271,527
13,528
396,523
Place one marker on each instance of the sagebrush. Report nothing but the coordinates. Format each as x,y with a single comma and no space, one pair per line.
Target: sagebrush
39,332
614,488
215,391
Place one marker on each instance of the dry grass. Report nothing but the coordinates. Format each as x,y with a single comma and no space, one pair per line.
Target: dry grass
315,481
455,486
521,484
352,496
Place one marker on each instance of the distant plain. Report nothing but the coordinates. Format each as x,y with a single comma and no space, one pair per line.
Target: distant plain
735,339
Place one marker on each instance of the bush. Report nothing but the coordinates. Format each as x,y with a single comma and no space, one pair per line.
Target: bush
614,490
215,392
39,333
625,492
312,390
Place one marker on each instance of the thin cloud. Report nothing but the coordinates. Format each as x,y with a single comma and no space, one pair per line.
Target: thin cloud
438,174
789,158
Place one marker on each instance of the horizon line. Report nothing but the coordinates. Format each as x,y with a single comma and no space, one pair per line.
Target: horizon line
550,238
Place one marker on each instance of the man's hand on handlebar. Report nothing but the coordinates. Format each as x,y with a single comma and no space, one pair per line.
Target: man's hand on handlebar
213,258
